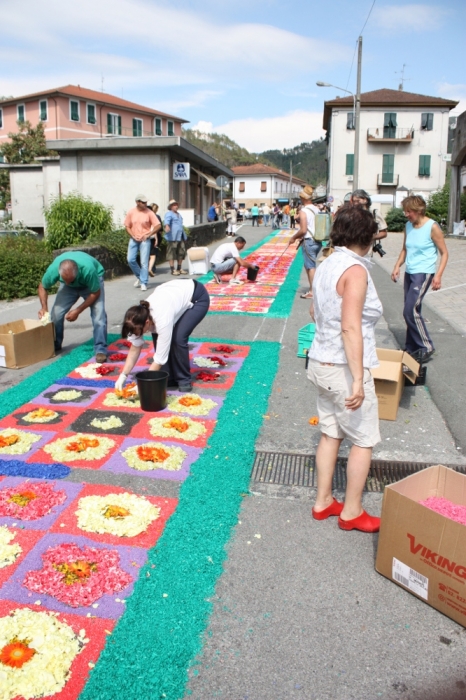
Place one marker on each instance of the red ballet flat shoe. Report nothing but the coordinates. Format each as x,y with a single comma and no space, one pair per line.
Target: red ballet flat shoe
334,508
364,522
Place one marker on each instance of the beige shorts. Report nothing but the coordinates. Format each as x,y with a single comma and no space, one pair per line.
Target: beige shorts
334,385
176,250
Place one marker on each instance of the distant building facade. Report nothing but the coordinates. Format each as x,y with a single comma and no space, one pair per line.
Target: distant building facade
403,144
262,184
72,112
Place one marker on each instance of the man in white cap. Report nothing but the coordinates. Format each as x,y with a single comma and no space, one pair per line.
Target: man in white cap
140,223
175,237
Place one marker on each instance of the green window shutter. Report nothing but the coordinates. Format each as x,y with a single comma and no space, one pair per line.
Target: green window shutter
1,118
427,121
74,111
43,110
389,125
20,113
91,114
119,125
424,166
349,164
171,129
158,127
109,124
135,127
388,167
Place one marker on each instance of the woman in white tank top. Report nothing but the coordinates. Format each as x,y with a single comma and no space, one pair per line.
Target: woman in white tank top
346,309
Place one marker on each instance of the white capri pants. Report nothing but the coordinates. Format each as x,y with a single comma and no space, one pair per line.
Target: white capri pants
334,384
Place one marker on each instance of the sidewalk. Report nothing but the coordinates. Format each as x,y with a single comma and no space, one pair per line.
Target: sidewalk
299,611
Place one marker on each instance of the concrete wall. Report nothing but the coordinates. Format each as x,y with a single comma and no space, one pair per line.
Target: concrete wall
116,178
406,164
27,196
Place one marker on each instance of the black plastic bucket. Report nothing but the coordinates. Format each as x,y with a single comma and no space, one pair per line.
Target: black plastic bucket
252,273
152,388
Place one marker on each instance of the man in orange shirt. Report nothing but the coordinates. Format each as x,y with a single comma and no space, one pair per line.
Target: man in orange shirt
286,215
140,223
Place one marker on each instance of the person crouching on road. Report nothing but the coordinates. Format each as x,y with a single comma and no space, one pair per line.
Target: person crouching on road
80,275
141,224
423,241
171,313
346,310
226,259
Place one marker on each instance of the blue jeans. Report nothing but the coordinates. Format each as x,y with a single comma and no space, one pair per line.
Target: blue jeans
143,247
266,219
65,299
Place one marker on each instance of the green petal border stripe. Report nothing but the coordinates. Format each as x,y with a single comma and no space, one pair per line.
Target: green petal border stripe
153,644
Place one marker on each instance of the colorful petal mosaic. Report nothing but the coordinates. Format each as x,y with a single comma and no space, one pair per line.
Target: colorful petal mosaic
70,552
273,291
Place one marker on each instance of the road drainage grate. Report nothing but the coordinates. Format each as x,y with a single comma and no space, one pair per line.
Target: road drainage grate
293,469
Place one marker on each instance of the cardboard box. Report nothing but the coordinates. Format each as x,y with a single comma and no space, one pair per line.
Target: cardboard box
389,376
25,342
423,551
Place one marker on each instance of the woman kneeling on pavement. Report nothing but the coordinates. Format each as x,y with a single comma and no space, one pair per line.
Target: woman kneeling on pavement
171,313
346,309
423,241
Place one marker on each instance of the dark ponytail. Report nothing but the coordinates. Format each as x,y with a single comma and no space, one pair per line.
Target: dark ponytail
135,320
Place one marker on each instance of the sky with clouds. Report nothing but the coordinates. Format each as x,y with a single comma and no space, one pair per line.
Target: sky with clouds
246,69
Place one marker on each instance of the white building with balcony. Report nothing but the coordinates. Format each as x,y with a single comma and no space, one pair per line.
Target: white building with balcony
262,184
403,144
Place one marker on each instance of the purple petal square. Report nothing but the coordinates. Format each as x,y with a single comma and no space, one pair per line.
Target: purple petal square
46,522
107,608
47,435
233,365
42,400
118,464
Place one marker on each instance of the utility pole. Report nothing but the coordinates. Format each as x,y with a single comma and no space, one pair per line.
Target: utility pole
357,119
291,178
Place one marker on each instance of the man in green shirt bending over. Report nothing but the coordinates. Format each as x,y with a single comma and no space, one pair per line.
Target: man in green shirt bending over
80,275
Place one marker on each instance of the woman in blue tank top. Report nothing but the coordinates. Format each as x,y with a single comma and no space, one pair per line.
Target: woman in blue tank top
423,242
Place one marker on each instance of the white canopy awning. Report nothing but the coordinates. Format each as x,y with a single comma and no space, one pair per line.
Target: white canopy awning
208,178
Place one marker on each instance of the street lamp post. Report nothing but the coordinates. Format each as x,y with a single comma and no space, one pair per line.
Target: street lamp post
356,131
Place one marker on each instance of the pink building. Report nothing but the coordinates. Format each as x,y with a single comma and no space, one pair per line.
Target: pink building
72,112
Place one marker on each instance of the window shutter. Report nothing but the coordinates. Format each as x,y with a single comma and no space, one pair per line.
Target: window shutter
1,118
424,166
427,121
389,125
242,187
43,111
350,120
91,114
263,186
74,111
135,127
158,127
119,125
349,164
109,124
388,166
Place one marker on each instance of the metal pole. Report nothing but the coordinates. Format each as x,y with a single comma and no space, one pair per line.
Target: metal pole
357,119
291,177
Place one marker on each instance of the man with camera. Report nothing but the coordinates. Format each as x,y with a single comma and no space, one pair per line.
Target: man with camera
361,198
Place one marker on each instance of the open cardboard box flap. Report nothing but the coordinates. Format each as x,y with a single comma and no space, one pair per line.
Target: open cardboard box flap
389,361
410,367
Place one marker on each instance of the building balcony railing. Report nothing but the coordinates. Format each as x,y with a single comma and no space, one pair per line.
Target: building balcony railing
387,180
128,131
389,134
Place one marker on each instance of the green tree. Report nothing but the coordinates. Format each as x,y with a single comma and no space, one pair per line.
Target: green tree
27,144
72,219
5,194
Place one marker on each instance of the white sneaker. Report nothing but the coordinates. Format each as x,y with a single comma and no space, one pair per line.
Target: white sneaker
143,288
235,281
137,283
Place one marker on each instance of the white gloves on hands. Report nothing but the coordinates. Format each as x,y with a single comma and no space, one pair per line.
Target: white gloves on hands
120,382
